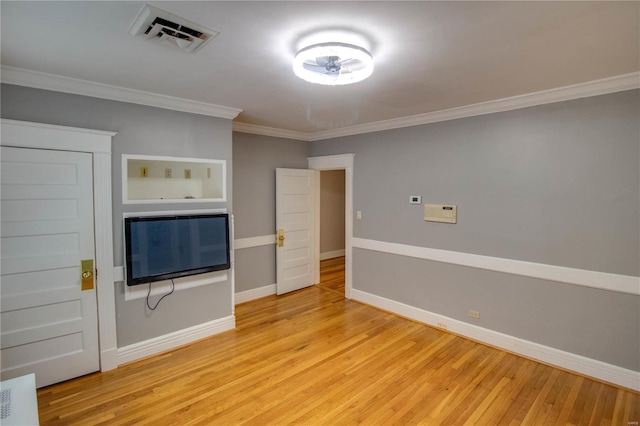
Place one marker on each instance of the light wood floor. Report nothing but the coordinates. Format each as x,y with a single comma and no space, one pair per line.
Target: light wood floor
332,274
313,358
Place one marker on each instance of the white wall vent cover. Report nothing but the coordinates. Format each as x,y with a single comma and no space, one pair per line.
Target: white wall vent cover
162,27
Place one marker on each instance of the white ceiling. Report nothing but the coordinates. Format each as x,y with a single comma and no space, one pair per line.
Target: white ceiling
429,56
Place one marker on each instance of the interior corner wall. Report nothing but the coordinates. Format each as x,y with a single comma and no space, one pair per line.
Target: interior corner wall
255,159
555,184
141,130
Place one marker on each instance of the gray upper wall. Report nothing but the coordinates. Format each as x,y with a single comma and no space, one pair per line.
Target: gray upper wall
147,131
556,184
141,130
255,160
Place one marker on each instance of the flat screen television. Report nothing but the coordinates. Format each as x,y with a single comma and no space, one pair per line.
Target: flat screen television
166,247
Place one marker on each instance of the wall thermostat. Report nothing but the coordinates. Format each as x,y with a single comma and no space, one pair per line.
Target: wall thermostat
415,199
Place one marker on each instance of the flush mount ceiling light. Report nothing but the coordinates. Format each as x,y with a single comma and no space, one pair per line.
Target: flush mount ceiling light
333,63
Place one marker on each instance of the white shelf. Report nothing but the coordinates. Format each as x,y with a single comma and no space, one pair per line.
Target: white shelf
152,179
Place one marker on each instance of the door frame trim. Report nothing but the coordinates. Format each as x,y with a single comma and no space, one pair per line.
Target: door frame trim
337,162
24,134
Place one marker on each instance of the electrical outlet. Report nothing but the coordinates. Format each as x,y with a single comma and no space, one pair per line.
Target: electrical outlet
187,173
442,324
474,314
167,173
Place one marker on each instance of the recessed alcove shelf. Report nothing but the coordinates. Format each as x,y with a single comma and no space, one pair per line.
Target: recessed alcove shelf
152,179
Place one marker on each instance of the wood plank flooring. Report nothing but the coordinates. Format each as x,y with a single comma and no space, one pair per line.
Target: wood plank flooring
332,274
313,358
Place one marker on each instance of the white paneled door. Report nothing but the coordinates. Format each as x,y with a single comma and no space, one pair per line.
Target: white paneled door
295,210
48,310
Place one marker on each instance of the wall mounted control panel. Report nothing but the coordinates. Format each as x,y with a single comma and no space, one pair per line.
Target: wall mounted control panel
447,213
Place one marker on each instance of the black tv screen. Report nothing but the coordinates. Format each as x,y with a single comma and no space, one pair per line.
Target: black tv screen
166,247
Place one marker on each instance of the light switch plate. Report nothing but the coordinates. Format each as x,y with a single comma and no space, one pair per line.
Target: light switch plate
415,199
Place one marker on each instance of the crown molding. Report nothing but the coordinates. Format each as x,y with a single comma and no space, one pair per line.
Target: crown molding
582,90
39,80
270,131
58,83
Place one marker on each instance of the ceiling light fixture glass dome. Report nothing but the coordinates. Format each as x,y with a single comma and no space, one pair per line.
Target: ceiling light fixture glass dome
333,63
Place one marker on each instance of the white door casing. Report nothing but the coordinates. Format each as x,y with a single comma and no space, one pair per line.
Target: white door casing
295,221
49,324
338,162
98,145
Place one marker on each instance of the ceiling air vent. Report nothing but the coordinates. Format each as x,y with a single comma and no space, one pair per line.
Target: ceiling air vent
162,27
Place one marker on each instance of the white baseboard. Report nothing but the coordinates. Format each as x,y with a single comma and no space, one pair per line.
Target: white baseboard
255,293
331,254
173,340
108,359
586,366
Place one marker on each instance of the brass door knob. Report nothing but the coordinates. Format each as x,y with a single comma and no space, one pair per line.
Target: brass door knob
86,274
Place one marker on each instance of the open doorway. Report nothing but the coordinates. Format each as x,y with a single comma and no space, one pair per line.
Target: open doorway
332,230
336,162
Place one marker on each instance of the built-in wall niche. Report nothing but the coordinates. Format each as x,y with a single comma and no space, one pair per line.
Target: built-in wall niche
152,179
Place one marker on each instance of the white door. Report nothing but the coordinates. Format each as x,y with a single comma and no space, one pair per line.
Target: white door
48,312
295,211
